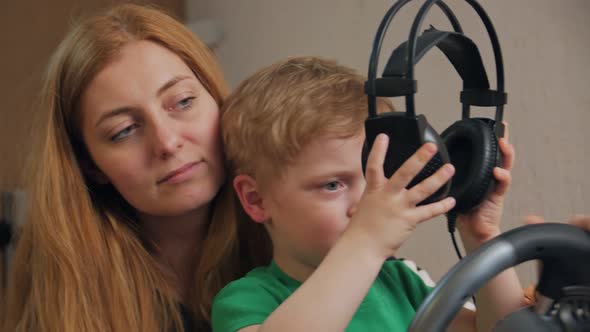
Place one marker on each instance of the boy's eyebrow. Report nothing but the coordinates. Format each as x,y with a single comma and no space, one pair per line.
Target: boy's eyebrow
333,174
161,90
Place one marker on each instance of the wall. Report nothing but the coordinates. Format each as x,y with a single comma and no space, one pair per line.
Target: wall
546,48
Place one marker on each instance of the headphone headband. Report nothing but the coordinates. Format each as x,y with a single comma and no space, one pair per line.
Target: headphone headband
397,82
459,49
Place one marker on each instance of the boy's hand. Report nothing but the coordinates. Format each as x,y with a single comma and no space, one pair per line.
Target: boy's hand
483,223
387,213
579,220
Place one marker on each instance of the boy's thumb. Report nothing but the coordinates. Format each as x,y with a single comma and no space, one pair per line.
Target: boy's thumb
532,219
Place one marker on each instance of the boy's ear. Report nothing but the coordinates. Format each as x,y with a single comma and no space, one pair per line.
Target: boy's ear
247,190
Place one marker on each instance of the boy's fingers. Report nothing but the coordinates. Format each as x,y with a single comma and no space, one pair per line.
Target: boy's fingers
411,167
374,171
435,209
508,155
581,221
504,179
424,189
532,219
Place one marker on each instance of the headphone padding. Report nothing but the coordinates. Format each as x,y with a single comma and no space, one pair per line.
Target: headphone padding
473,150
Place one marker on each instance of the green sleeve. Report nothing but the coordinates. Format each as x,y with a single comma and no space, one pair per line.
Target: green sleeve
415,288
242,303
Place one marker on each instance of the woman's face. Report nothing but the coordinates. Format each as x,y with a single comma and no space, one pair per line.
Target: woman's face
152,131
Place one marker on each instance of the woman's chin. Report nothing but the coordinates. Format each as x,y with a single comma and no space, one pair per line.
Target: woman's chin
181,205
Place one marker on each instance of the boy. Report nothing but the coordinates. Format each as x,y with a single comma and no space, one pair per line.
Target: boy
293,134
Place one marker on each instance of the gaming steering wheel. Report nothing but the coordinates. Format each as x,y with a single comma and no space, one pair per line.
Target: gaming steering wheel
563,290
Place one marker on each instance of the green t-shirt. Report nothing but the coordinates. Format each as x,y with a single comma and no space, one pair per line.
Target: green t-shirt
390,304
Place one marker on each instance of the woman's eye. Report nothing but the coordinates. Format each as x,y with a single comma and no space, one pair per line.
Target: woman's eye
185,104
332,186
123,133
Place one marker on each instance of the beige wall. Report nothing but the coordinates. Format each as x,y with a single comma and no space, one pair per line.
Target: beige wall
546,47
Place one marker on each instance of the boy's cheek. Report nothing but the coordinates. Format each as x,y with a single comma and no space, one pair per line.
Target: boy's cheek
332,230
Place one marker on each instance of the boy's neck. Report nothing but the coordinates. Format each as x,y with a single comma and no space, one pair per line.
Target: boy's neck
294,268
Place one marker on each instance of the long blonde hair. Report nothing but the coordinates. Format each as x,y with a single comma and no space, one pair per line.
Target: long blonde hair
79,264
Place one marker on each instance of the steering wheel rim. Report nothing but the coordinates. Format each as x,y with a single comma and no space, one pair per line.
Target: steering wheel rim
548,242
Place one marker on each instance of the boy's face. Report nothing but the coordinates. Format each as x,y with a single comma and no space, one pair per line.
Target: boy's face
311,204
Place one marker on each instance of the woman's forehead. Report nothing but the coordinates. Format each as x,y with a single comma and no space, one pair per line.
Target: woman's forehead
142,66
142,70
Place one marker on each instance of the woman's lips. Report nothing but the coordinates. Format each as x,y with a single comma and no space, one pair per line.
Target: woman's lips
181,174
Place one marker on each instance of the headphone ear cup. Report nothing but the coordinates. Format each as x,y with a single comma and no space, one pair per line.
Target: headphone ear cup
473,149
406,135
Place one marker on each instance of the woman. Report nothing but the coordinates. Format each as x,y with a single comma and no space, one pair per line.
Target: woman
126,205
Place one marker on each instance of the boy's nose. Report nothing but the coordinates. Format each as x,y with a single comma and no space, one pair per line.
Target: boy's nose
352,210
355,198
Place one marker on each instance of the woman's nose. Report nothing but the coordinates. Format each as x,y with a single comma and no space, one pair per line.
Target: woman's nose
166,139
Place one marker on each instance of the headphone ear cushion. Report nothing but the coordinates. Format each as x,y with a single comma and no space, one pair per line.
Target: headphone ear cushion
473,150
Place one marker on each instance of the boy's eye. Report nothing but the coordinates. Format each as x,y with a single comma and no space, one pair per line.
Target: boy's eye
123,133
332,186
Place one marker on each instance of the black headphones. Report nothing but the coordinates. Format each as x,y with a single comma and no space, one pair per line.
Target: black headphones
470,144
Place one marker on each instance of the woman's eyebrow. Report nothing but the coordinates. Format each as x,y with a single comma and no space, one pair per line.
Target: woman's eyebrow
171,83
110,114
161,90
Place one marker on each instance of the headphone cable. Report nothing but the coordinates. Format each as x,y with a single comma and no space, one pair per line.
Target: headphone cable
451,220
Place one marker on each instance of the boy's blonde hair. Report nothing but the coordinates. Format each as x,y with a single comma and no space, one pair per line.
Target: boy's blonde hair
277,111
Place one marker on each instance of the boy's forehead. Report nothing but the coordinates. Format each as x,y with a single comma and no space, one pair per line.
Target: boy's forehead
324,155
330,148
